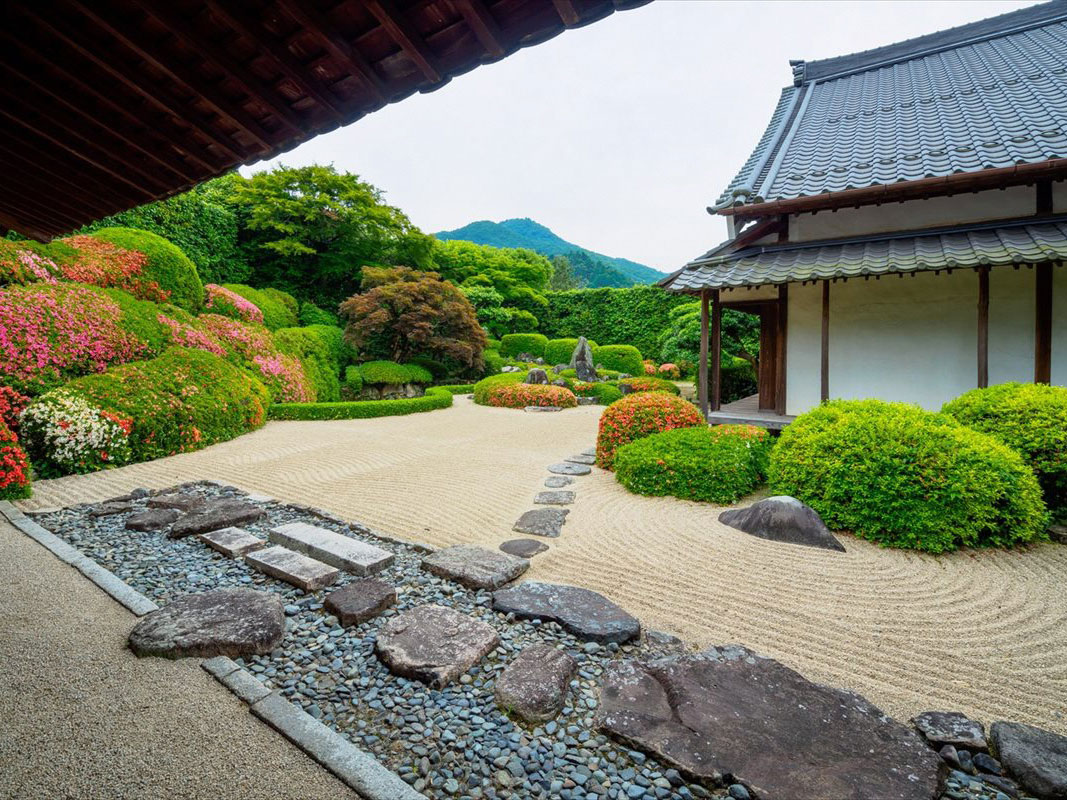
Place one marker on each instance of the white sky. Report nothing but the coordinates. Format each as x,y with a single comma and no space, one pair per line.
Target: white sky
619,134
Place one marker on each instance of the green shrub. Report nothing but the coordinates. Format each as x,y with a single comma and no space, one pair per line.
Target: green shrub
353,380
166,265
485,385
559,351
494,362
603,374
514,343
713,465
521,395
389,372
418,374
605,393
436,397
436,368
620,357
311,314
492,344
340,351
648,384
457,388
279,309
1032,420
639,415
904,477
315,348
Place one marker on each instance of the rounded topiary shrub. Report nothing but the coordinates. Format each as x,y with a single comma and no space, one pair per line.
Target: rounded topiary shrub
533,344
168,266
904,477
649,384
623,358
521,395
559,351
385,372
485,385
1032,420
714,465
639,415
605,393
279,309
311,314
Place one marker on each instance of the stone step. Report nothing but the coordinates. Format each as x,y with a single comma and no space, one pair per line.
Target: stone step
232,542
295,568
339,551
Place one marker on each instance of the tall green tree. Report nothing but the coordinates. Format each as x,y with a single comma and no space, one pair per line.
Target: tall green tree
563,277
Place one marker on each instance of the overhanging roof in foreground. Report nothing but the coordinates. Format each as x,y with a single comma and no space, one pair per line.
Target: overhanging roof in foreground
1027,241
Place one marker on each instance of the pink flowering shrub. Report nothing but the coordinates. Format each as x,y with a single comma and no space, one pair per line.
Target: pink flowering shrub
230,304
247,340
670,371
284,376
20,264
650,366
65,435
185,335
255,348
521,395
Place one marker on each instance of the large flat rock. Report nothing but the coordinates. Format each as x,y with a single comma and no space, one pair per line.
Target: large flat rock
475,567
179,501
232,542
582,458
534,685
331,548
152,519
434,644
215,514
728,712
1036,758
586,614
295,568
222,622
782,519
542,522
523,548
360,600
558,481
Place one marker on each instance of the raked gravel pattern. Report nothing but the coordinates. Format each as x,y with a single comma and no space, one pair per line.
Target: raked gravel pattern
446,743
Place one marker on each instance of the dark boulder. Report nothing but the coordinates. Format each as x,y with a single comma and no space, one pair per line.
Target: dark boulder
782,519
534,685
951,727
360,600
523,548
1036,758
152,520
434,644
586,614
582,361
536,376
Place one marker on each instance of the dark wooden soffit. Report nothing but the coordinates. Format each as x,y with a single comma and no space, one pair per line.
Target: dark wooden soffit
108,104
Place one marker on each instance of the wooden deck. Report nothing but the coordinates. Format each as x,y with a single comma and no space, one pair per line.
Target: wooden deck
746,411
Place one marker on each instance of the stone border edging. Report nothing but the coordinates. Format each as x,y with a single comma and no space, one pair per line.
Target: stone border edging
119,590
357,769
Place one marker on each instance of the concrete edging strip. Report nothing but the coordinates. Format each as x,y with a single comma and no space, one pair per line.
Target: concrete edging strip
119,590
356,768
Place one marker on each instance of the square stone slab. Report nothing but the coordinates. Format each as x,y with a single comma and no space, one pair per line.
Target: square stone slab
554,498
475,567
542,522
232,542
334,549
360,600
295,568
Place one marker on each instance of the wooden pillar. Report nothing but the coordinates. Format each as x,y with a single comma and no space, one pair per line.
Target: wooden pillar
983,327
1043,325
702,367
824,394
716,351
783,311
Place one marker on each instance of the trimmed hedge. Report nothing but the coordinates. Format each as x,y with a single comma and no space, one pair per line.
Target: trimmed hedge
904,477
457,388
638,415
606,374
436,397
353,384
389,372
532,343
649,384
621,358
712,465
279,309
318,355
168,266
559,351
605,393
485,385
521,395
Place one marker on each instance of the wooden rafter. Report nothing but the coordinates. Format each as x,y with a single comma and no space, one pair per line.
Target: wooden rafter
485,27
567,12
402,32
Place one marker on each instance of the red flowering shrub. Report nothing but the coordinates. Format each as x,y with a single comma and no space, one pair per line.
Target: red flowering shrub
14,467
104,264
669,371
649,385
520,395
650,366
639,415
11,405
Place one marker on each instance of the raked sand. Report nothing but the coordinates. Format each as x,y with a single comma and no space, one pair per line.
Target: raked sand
980,632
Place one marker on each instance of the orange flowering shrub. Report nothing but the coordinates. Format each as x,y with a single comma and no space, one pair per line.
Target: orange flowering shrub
639,415
520,395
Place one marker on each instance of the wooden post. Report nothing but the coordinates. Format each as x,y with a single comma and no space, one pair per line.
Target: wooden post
716,351
983,327
1043,325
824,394
702,367
783,312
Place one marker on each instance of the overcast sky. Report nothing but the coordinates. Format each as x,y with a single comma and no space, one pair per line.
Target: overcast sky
619,134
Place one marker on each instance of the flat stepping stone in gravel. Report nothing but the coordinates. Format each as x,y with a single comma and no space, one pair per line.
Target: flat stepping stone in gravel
541,409
232,542
475,567
182,502
215,514
534,685
951,727
360,600
586,401
581,458
295,568
523,548
152,520
589,451
1036,758
108,509
542,522
782,519
554,498
331,548
727,711
586,614
222,622
558,481
434,644
566,468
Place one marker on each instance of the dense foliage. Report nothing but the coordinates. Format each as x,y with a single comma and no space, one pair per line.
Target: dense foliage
639,415
483,387
904,477
623,358
14,466
318,349
713,465
521,395
605,393
279,309
679,342
228,303
649,384
532,344
165,265
435,398
390,372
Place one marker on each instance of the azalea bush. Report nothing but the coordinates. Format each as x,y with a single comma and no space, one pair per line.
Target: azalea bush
65,434
278,309
648,384
521,395
187,334
639,415
483,387
285,378
14,467
650,367
12,404
162,266
21,263
669,371
228,303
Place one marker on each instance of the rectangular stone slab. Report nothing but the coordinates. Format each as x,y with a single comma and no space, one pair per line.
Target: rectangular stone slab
295,568
232,542
339,551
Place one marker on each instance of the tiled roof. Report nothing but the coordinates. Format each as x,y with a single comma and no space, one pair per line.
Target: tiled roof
1021,242
986,95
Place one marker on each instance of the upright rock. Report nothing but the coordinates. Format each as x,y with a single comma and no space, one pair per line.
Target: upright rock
582,361
586,614
534,685
782,519
536,376
1036,758
434,644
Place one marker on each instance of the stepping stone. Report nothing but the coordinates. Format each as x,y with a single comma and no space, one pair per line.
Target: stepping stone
554,498
589,451
215,514
1036,758
360,600
541,409
782,519
232,542
542,522
181,502
475,567
434,644
152,520
222,622
586,401
951,727
534,685
295,568
728,712
558,481
581,458
331,548
110,508
566,468
523,548
586,614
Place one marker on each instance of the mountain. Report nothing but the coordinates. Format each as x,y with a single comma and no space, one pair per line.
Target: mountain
592,268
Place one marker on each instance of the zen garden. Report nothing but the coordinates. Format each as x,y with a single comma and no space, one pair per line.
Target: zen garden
300,500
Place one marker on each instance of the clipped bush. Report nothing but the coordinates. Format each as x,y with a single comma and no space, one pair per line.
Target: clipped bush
521,395
436,368
1029,418
559,351
713,465
604,374
435,398
253,347
904,477
492,344
649,384
279,310
353,383
317,356
494,362
669,371
533,344
389,372
621,358
639,415
605,393
229,303
311,314
486,385
14,467
457,388
165,265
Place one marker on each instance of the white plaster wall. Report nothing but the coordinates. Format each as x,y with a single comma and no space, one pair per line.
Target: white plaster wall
1059,197
1059,325
749,294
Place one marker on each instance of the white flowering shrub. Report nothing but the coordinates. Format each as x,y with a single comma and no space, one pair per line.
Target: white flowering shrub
64,434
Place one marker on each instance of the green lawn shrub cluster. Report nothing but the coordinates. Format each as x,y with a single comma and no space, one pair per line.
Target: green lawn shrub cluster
280,310
532,343
521,395
457,388
904,477
623,358
712,465
353,383
436,397
559,351
319,351
165,264
639,415
390,372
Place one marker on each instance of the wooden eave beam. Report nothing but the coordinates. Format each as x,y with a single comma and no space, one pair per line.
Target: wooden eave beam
567,12
401,31
16,224
47,215
480,20
23,181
